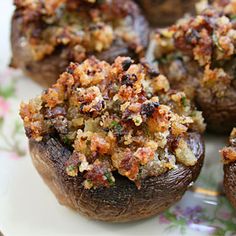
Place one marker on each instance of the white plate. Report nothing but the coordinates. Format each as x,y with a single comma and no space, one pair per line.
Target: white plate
28,208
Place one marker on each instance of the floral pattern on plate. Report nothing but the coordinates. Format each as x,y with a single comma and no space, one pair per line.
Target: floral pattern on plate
11,130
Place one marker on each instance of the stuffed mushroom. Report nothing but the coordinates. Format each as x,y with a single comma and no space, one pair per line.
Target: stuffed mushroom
229,159
46,35
198,56
114,142
163,13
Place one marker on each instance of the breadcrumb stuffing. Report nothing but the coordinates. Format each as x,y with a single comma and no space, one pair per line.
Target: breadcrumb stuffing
195,52
83,27
229,153
114,121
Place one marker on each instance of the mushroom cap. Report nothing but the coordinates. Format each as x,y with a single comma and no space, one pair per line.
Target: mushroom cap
122,202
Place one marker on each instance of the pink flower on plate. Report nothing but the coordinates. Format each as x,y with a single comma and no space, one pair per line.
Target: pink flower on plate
225,215
4,107
163,219
14,156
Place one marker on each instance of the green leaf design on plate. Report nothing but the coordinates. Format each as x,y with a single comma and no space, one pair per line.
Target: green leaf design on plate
181,218
8,91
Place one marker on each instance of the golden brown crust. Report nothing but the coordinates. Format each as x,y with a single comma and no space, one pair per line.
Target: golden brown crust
122,202
197,55
45,58
114,121
164,13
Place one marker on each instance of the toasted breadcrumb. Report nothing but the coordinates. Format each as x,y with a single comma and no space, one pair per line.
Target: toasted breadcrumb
81,26
195,53
113,120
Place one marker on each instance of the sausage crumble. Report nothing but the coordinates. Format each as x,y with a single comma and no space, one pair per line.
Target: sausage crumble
198,47
83,26
197,54
115,118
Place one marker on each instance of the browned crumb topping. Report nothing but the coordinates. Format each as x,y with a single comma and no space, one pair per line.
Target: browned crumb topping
229,153
198,48
205,38
228,7
83,26
116,118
